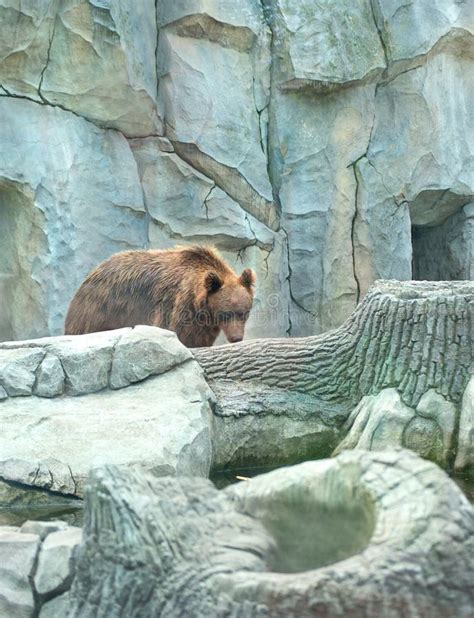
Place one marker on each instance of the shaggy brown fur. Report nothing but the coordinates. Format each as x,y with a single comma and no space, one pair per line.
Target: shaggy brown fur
189,290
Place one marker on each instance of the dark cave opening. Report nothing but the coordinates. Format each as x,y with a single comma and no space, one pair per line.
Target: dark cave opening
445,251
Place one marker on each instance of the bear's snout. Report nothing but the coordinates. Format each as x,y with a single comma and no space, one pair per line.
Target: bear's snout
235,339
234,330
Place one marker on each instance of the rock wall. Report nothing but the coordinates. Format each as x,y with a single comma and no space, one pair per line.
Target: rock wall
302,139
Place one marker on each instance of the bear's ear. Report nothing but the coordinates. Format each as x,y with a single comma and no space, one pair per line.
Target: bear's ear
248,278
212,282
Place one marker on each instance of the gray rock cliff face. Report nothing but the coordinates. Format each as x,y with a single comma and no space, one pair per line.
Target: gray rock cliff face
325,147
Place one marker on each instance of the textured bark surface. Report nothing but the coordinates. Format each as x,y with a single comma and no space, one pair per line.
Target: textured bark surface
408,336
364,534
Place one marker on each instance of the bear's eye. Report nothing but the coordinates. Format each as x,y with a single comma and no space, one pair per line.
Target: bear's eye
226,316
242,316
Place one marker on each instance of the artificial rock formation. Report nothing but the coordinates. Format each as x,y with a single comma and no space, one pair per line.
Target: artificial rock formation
37,568
129,397
364,534
311,142
398,372
395,373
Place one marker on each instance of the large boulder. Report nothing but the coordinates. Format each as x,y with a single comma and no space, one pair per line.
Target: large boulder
128,397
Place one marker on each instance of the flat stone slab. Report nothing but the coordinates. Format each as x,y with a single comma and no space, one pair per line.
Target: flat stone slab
153,410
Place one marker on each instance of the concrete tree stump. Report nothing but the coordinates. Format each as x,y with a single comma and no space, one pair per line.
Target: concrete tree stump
363,534
410,344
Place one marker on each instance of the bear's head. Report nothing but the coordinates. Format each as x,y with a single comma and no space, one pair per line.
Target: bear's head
229,301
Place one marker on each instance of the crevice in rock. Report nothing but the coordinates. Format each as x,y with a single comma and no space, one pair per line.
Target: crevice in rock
46,103
48,54
147,217
321,87
271,173
156,50
109,371
231,181
353,225
35,477
223,239
256,243
41,489
259,120
452,41
385,82
267,257
73,480
379,31
293,299
206,199
455,442
31,578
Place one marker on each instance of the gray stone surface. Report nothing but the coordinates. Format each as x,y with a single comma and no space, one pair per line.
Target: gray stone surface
86,360
383,421
88,363
216,107
364,534
47,46
37,568
422,181
409,163
321,136
50,473
71,196
54,570
51,377
160,418
413,29
325,45
17,370
27,29
17,556
465,456
56,608
145,351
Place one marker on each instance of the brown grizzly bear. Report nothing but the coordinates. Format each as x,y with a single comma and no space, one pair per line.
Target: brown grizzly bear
189,290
